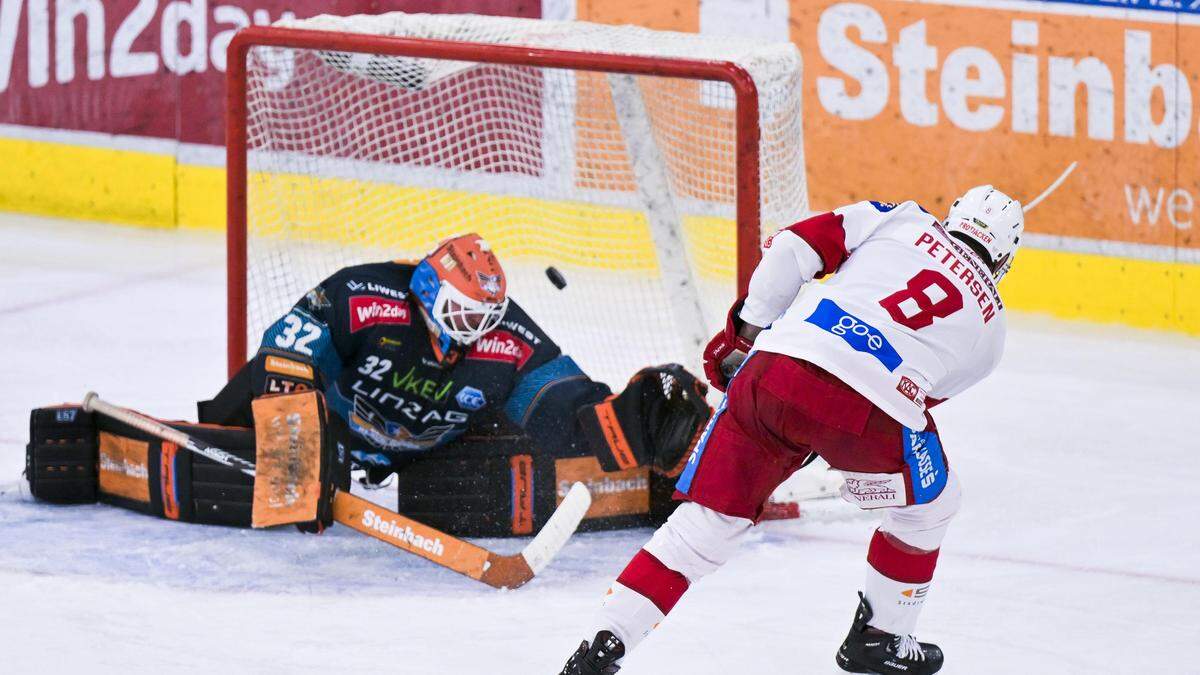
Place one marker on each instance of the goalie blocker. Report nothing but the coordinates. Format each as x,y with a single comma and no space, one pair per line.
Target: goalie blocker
76,457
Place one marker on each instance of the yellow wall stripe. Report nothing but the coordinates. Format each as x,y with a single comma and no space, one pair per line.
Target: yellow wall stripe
1141,293
70,181
151,189
200,197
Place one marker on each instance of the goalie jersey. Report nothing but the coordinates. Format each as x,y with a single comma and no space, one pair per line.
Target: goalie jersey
911,318
371,354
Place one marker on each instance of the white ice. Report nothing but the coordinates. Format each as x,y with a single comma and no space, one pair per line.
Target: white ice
1077,550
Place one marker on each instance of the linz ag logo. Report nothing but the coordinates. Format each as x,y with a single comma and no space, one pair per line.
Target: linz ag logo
501,345
373,310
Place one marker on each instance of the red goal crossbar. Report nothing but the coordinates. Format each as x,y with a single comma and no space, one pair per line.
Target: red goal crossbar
748,210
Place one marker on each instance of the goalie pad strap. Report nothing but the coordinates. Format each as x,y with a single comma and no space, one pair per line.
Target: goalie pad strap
604,424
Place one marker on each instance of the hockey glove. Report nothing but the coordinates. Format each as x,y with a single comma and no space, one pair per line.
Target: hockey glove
726,351
655,421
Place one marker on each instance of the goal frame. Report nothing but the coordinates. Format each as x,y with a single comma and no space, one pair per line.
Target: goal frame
747,200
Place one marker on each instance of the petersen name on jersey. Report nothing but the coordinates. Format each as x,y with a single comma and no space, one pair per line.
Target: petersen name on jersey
911,318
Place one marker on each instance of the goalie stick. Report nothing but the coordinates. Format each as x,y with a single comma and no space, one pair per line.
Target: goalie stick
476,562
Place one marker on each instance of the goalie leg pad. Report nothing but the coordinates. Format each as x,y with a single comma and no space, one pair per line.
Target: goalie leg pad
78,457
480,486
505,485
60,459
144,473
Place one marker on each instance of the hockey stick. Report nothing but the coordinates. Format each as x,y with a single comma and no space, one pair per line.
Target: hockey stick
1050,190
476,562
93,403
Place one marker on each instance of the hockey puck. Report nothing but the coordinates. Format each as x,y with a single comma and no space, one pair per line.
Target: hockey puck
556,277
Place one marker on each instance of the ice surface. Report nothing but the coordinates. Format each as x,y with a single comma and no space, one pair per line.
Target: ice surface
1077,550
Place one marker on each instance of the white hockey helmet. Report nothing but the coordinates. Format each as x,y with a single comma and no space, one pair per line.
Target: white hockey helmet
991,219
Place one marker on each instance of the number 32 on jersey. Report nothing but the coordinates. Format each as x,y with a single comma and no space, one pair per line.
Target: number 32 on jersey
297,334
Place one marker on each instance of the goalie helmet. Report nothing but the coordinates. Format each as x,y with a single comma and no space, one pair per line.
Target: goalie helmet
990,222
461,291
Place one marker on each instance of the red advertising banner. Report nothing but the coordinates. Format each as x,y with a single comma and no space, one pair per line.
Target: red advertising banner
151,68
113,110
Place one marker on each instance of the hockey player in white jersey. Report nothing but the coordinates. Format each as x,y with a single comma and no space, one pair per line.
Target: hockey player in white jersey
845,369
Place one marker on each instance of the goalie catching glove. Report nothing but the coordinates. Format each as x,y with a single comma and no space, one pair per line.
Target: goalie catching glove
655,421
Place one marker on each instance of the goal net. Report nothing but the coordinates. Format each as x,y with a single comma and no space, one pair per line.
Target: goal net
644,166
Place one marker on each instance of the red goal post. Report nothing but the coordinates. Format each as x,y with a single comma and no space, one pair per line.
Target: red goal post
748,203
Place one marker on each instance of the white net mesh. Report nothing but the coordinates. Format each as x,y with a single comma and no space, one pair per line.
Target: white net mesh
627,185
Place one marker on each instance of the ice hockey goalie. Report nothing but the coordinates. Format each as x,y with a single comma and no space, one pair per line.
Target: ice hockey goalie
431,372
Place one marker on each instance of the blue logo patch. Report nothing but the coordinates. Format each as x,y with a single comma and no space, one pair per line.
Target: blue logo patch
470,398
859,334
884,207
923,453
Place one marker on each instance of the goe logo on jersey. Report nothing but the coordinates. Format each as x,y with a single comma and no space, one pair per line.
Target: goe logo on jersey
860,335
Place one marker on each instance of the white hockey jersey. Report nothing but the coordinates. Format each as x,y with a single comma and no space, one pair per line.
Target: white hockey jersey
912,316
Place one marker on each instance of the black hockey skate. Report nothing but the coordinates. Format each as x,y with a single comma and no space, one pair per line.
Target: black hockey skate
867,650
599,659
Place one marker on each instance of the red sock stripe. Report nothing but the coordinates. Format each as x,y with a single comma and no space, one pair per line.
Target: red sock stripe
899,562
647,576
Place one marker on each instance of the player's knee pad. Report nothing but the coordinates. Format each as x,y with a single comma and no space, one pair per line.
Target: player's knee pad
696,540
924,525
